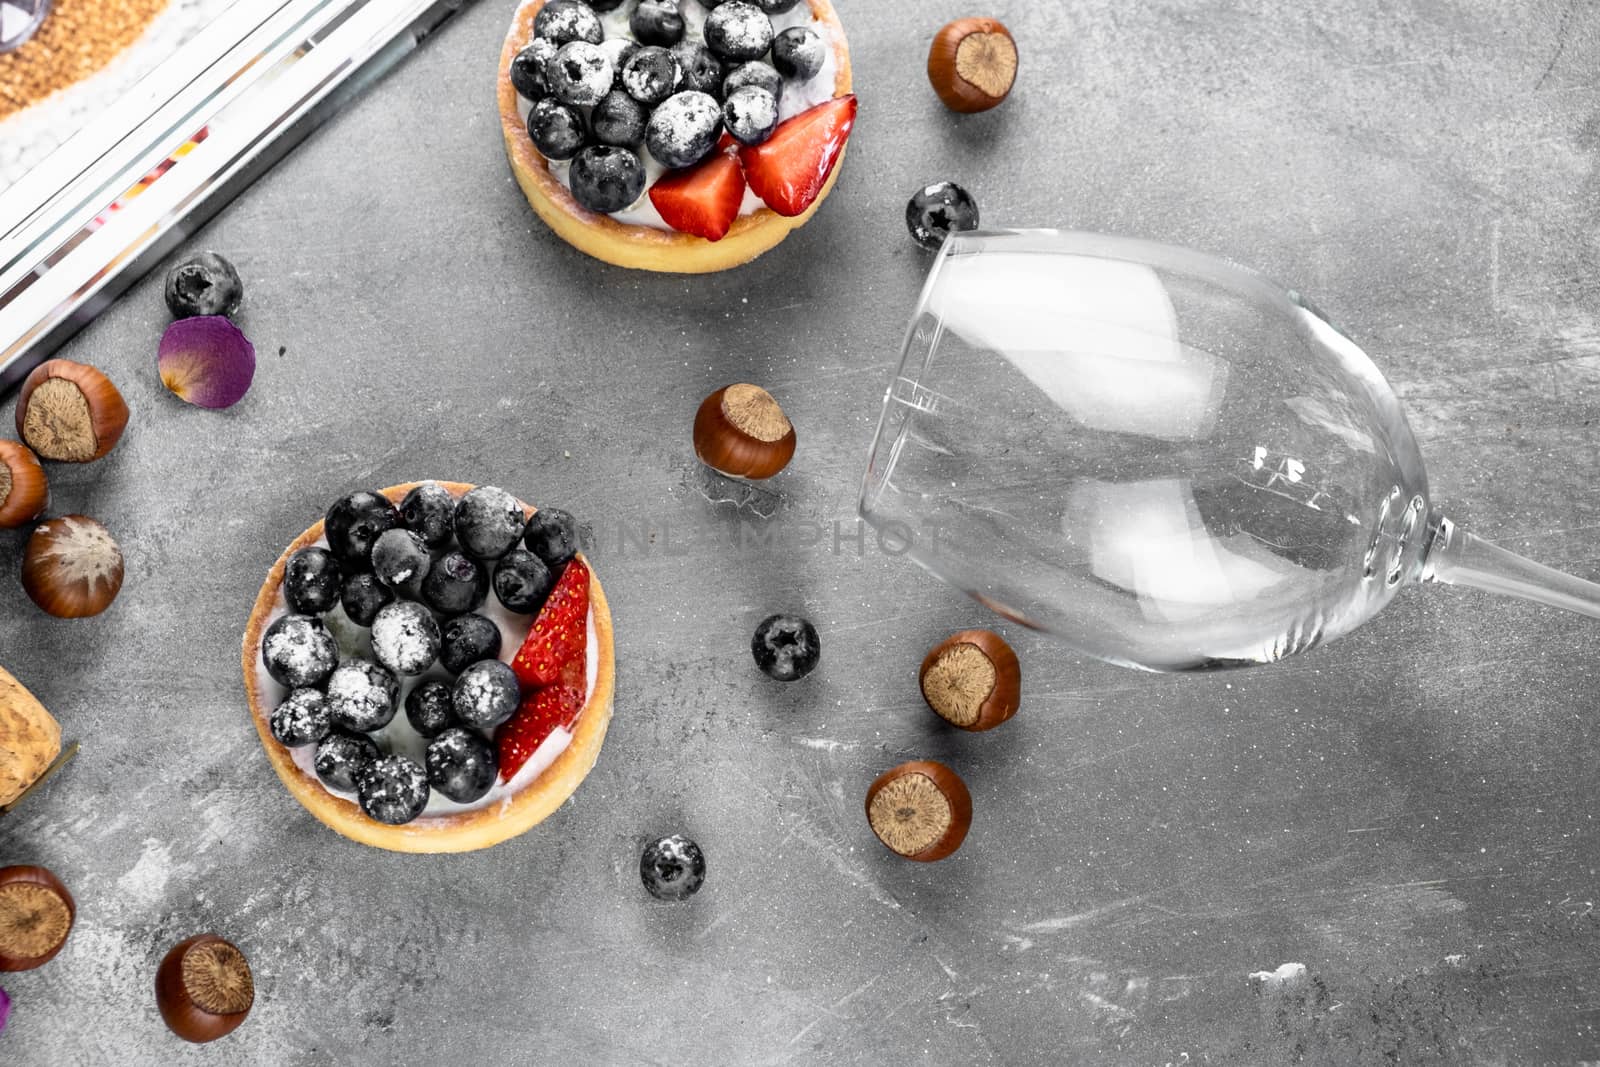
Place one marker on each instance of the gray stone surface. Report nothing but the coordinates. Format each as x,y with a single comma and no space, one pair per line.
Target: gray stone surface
1409,813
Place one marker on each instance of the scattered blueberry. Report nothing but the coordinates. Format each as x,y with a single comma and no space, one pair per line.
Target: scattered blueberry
392,789
701,71
684,129
619,50
405,638
522,581
606,178
651,75
400,559
799,53
580,74
363,595
738,31
486,694
657,22
556,130
466,640
673,867
786,647
430,708
362,695
354,523
527,69
302,719
619,119
429,511
461,765
341,757
552,535
299,651
203,284
311,581
455,583
750,114
756,73
488,522
564,21
939,210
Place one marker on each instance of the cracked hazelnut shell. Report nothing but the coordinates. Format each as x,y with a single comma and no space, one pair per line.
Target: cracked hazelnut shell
72,567
920,810
36,915
24,490
70,412
972,680
972,64
204,988
740,430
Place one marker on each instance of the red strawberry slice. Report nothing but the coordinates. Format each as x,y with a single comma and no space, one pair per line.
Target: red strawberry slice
702,200
789,169
537,718
560,633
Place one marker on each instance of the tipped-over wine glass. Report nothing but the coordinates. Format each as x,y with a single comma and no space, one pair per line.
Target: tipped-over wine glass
1164,459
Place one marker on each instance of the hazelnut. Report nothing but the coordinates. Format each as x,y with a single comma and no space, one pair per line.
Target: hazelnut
70,412
741,431
36,914
30,738
24,490
972,680
921,810
204,988
71,567
972,64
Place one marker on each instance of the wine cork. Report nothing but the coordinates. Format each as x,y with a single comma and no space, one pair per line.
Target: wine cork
77,39
30,738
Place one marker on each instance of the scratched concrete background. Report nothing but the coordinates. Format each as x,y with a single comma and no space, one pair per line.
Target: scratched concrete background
1382,852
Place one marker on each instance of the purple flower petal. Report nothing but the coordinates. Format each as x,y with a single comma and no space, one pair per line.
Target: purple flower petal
5,1010
207,361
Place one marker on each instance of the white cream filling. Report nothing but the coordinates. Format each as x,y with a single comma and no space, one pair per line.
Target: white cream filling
798,96
398,737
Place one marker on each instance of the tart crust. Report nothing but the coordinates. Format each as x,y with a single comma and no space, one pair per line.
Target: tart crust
457,831
645,247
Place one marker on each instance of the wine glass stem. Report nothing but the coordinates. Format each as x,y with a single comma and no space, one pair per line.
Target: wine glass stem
1458,557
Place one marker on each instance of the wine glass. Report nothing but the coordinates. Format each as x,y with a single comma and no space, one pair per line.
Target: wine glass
1162,458
18,21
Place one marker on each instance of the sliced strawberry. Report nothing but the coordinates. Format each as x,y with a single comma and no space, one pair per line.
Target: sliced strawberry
789,169
560,633
536,719
702,200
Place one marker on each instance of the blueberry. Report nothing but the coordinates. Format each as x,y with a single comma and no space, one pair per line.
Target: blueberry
580,74
461,765
673,868
750,114
619,119
756,73
455,583
488,522
299,651
311,581
429,511
405,638
939,210
564,21
556,130
657,22
522,581
799,53
651,75
684,129
429,708
527,69
400,559
203,284
605,5
302,719
362,596
777,7
619,50
606,178
341,757
362,695
486,694
354,523
786,647
702,72
466,640
552,535
392,789
738,31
